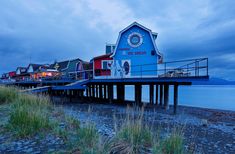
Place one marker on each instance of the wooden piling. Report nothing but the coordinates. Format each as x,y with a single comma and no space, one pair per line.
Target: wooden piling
156,94
105,91
96,91
175,97
70,95
138,94
93,91
151,88
87,91
166,96
161,95
120,93
100,92
110,93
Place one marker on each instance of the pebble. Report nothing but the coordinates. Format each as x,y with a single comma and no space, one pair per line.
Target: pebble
30,150
36,152
229,145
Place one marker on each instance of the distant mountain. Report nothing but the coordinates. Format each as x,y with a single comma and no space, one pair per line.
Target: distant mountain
214,81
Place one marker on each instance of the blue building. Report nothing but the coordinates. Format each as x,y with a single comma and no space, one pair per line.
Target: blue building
135,53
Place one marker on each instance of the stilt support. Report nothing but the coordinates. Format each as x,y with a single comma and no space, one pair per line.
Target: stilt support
175,98
151,88
156,91
120,93
166,97
138,94
161,95
110,93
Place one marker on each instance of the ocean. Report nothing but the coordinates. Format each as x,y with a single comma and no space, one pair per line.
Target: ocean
208,96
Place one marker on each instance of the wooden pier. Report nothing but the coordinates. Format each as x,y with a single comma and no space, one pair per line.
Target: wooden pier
102,90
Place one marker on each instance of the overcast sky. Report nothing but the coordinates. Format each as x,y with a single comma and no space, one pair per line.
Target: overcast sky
47,30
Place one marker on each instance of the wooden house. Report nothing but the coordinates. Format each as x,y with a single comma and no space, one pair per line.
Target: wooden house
21,74
8,77
12,74
33,70
136,53
42,71
46,73
74,68
102,65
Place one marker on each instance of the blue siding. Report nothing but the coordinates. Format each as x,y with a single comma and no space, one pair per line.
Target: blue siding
141,55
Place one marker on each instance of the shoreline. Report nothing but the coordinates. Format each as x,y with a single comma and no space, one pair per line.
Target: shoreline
204,130
211,131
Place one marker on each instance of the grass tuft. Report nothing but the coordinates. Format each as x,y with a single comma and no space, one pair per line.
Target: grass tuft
8,94
29,115
88,139
173,144
133,136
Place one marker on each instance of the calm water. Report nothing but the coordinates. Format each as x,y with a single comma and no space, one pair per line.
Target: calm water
216,97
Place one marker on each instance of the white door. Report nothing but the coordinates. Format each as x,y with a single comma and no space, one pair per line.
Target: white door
126,66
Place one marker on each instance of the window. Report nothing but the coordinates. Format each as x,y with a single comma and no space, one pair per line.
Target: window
109,48
106,64
135,39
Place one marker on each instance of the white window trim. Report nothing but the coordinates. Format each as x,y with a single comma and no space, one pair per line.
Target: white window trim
77,66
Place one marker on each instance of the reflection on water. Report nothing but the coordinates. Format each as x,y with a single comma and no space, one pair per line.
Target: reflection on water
217,97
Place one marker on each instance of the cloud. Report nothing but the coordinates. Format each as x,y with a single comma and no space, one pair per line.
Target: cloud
56,29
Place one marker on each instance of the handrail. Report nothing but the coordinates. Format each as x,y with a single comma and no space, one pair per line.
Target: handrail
195,67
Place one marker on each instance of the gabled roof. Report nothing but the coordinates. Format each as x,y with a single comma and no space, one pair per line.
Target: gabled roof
141,26
22,69
63,65
36,66
102,56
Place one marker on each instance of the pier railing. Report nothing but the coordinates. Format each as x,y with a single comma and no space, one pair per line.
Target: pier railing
184,68
177,69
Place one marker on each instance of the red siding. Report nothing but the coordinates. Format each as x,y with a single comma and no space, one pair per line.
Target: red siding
98,66
97,62
12,74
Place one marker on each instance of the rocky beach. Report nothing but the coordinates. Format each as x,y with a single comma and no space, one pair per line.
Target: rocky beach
204,130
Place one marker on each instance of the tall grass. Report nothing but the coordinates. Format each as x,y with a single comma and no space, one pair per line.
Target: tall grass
8,94
133,136
28,113
88,139
173,144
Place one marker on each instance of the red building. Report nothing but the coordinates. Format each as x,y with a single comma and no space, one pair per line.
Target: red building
102,65
12,74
